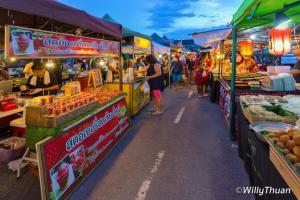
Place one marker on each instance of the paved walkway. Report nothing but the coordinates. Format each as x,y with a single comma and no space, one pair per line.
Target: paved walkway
184,154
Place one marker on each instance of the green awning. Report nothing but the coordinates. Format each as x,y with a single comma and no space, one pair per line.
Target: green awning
126,31
253,13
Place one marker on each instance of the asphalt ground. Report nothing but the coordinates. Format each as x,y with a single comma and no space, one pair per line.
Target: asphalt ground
184,154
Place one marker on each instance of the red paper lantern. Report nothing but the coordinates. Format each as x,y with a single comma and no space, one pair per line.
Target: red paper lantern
280,41
246,47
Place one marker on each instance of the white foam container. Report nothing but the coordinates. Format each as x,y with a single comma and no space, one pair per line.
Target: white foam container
279,69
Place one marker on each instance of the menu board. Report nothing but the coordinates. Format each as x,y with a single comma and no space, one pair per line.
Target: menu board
95,78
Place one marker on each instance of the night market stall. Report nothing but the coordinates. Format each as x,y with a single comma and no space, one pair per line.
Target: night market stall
67,133
213,41
135,47
267,135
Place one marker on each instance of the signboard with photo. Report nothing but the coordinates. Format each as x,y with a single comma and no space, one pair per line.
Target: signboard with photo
30,43
65,161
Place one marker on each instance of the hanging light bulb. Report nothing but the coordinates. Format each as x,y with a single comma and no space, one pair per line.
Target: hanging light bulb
12,59
253,37
101,62
50,63
281,20
220,56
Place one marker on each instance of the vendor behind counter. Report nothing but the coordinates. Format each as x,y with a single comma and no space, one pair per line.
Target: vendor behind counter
42,81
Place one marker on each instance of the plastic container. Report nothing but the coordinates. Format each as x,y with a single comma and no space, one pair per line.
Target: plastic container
271,69
282,69
278,69
18,127
15,151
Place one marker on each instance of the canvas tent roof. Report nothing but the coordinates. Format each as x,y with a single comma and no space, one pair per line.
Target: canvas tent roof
159,48
156,38
209,38
62,13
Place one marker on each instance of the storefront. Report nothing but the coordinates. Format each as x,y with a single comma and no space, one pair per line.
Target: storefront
67,135
135,47
132,79
268,111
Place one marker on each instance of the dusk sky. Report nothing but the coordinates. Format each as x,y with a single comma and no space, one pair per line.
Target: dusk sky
174,18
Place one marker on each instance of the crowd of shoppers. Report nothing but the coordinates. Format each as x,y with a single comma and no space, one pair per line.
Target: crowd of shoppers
192,69
189,69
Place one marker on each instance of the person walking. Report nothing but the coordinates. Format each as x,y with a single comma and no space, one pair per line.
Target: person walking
155,80
165,69
190,68
176,67
184,73
208,64
201,74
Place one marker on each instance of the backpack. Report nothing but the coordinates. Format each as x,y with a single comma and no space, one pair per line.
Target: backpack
180,66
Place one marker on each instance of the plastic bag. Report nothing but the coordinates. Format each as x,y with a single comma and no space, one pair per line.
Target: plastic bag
270,126
109,76
145,88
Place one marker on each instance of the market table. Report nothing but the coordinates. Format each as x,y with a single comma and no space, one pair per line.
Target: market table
6,117
255,154
11,112
224,96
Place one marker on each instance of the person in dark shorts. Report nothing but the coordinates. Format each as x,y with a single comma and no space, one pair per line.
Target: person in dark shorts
156,83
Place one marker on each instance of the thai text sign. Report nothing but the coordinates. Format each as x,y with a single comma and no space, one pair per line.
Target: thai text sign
69,158
31,43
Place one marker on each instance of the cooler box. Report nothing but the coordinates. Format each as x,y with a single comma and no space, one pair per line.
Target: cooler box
11,149
18,127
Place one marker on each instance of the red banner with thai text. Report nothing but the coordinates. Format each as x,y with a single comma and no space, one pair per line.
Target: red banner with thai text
31,43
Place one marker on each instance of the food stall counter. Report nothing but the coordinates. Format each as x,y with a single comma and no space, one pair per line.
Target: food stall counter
242,89
69,152
135,98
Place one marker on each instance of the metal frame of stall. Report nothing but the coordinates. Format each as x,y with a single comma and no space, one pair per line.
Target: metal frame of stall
248,11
